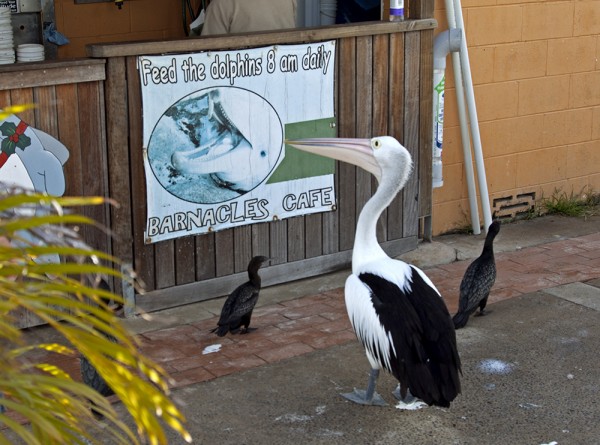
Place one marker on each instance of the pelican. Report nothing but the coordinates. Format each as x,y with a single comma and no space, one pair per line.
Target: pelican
397,313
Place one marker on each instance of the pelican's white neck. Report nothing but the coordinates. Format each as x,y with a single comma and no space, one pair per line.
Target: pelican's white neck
395,173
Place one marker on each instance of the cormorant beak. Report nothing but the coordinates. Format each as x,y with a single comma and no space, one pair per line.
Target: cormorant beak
354,151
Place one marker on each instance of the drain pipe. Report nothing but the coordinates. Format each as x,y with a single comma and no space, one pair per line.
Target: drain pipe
444,43
454,8
464,129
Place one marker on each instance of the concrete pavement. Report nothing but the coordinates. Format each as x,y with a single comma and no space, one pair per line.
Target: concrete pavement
531,369
531,375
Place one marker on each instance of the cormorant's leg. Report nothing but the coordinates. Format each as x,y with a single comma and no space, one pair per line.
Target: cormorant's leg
245,323
409,402
368,397
482,304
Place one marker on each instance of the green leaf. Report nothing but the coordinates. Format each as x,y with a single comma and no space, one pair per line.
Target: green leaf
7,146
8,128
62,294
24,141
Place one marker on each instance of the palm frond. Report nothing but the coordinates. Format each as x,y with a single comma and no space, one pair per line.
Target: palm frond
66,296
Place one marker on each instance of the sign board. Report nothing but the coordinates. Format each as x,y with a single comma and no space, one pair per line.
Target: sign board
214,125
12,4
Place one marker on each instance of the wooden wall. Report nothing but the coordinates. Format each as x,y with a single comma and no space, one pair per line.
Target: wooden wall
383,86
69,99
69,105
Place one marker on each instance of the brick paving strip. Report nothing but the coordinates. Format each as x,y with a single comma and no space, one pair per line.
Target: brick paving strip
292,328
299,326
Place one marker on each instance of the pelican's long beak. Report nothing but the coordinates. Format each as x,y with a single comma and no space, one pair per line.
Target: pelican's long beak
354,151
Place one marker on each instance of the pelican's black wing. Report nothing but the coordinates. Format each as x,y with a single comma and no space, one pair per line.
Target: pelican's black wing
424,358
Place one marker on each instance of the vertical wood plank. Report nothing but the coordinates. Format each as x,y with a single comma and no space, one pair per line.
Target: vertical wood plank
347,128
164,264
117,133
224,253
278,248
185,259
68,134
24,96
313,235
242,242
206,266
260,239
381,51
396,112
426,135
45,110
135,192
4,98
331,234
331,238
295,239
420,9
364,112
94,168
412,105
364,91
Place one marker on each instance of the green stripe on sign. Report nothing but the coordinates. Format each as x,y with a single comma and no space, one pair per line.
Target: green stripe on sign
299,164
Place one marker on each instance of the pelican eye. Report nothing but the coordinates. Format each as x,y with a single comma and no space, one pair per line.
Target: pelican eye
376,143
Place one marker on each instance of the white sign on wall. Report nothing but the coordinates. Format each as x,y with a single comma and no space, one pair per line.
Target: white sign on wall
214,125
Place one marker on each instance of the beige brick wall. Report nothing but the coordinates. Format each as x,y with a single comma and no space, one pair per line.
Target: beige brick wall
104,22
536,73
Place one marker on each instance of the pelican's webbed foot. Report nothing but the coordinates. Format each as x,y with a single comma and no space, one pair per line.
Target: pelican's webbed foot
360,396
409,402
368,396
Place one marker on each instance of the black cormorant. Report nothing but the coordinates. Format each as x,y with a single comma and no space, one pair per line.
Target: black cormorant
237,310
478,281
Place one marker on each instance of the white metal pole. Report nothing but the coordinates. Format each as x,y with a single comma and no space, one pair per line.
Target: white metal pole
464,129
472,109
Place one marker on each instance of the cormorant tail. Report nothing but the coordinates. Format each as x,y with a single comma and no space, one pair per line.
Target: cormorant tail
460,320
221,330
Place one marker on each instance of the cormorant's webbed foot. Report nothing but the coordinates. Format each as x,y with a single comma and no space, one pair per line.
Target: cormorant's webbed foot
246,330
368,396
481,313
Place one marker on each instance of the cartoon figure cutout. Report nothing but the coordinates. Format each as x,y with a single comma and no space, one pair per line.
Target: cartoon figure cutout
32,160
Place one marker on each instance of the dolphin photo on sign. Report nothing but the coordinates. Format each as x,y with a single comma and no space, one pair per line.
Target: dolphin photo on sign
215,145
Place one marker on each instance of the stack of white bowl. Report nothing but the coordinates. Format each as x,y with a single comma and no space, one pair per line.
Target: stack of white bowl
7,51
30,52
